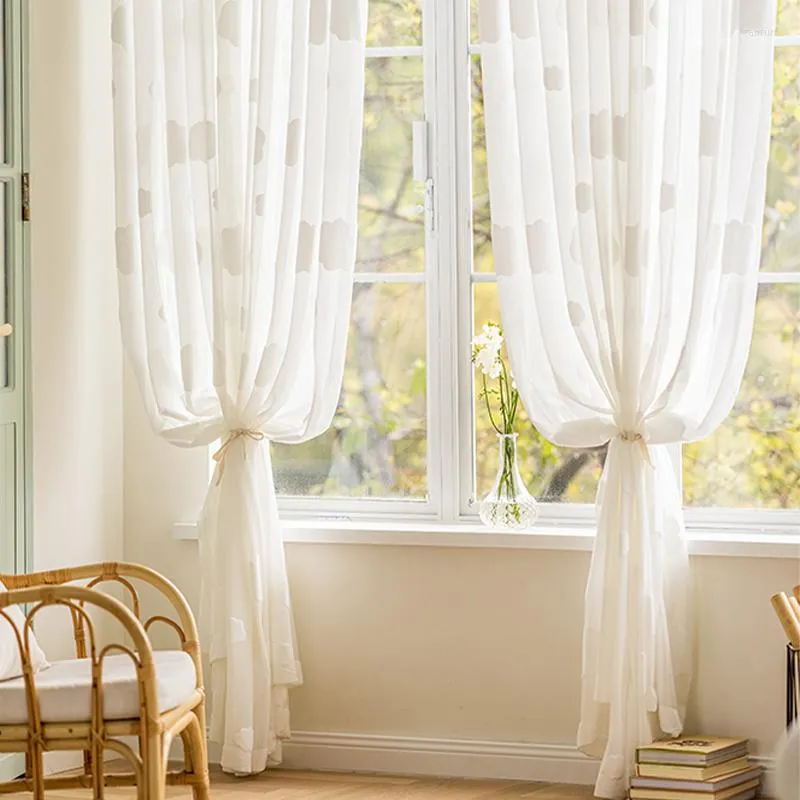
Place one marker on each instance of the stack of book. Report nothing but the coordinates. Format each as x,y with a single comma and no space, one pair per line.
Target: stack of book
695,768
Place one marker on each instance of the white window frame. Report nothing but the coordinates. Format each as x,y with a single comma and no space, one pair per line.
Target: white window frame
447,220
447,51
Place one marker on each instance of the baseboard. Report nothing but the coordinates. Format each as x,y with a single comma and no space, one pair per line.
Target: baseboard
767,788
56,762
11,766
450,758
445,758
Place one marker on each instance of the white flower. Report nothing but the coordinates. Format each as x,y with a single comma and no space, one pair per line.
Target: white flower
493,334
487,361
486,348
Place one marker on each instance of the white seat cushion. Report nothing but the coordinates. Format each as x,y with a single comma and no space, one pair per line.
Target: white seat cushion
65,689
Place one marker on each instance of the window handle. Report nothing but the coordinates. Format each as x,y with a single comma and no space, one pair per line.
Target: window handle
6,329
430,205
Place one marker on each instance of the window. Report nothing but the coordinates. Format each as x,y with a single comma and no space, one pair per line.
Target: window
409,435
753,459
377,447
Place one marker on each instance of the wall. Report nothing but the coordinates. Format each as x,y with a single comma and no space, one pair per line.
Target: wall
76,352
474,644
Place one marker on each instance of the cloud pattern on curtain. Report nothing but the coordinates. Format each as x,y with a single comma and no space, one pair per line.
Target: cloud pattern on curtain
238,138
627,147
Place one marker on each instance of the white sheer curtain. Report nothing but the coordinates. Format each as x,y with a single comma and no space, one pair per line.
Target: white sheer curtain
627,147
238,137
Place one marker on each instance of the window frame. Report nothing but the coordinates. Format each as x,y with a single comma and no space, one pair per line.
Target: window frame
427,509
447,223
449,314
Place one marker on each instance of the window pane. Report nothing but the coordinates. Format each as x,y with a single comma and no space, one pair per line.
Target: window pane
481,219
552,474
781,235
377,444
753,459
788,18
474,35
391,222
394,22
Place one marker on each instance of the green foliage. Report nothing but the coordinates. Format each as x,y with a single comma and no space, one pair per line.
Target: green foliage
753,458
391,228
788,23
394,23
781,233
377,443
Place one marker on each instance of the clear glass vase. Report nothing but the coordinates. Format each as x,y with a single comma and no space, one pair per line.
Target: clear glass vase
509,505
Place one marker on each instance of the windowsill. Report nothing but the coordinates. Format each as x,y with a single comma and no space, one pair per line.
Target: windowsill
425,533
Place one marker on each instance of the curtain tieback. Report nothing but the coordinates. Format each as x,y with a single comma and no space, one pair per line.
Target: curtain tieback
256,434
634,437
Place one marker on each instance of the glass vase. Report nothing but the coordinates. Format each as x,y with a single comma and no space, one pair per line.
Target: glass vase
509,505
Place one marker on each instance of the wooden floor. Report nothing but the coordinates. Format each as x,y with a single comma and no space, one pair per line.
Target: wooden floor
285,785
295,785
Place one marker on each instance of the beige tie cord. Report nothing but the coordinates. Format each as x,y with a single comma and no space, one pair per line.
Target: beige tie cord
255,434
631,436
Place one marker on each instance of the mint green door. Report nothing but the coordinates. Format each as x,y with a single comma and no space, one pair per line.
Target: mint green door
13,321
14,483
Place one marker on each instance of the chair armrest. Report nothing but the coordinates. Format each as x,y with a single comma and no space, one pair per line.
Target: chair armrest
113,571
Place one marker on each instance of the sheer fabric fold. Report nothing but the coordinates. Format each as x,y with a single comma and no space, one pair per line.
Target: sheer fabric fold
238,138
627,145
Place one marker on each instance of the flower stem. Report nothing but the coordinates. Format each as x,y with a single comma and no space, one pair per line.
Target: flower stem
488,406
510,412
503,408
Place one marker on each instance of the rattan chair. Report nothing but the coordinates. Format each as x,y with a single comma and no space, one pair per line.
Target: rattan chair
116,691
